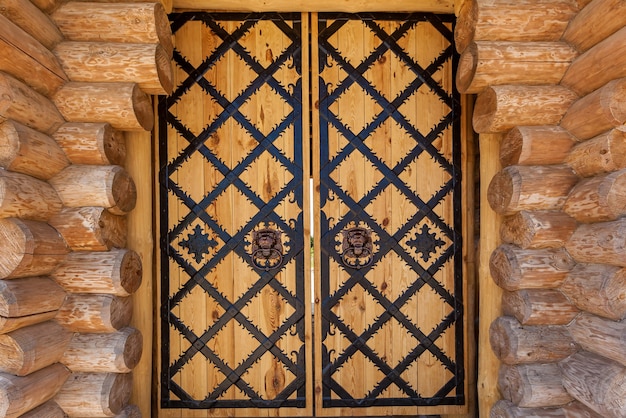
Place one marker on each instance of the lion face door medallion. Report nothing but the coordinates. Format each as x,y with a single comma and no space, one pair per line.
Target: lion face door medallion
356,249
267,248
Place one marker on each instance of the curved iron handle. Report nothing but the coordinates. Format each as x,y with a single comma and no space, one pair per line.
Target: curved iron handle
267,248
356,249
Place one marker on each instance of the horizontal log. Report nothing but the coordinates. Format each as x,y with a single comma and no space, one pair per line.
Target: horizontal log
535,145
537,229
517,188
597,112
22,104
348,6
604,16
8,324
533,385
48,410
603,154
602,63
597,288
142,23
29,296
22,150
596,382
511,20
95,313
110,187
90,228
148,65
514,268
499,109
514,343
92,143
29,349
31,248
19,395
602,242
123,105
33,21
26,59
491,63
117,272
539,307
598,199
578,410
23,196
117,352
600,336
47,6
507,409
95,394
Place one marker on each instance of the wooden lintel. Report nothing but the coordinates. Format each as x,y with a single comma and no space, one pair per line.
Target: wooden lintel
349,6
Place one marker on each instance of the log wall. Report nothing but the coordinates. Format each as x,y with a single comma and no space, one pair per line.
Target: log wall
75,77
550,79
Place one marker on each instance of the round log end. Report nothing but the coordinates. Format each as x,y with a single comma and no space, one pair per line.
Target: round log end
502,338
9,143
124,193
164,70
163,29
118,387
142,106
121,312
17,245
466,70
131,272
615,185
511,148
466,25
484,111
503,267
502,193
615,291
133,348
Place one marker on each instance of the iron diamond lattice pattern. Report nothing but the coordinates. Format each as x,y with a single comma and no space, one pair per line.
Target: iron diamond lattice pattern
390,163
225,322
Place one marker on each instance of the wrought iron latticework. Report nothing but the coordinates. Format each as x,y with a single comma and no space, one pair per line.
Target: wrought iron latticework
391,167
232,305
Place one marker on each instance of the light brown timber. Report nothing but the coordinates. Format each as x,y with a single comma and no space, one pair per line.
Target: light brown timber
536,145
600,336
148,65
598,112
23,196
596,382
95,313
123,105
490,63
48,410
507,409
29,296
597,288
537,229
602,63
578,410
92,143
499,109
533,385
19,395
601,242
107,186
22,104
604,16
32,20
514,343
349,6
30,248
117,352
26,59
520,187
597,199
603,154
95,394
8,324
47,6
29,349
22,150
512,20
90,228
539,307
116,272
144,23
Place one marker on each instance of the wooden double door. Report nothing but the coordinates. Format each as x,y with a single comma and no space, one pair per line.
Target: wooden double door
311,217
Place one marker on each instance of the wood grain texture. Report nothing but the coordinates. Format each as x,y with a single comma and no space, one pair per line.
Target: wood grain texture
23,196
90,228
92,143
533,385
536,145
602,242
95,394
350,6
8,324
95,313
601,336
602,154
539,307
29,296
49,409
604,16
597,199
32,20
537,229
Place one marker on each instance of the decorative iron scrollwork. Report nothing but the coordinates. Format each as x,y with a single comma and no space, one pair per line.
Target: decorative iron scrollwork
267,248
356,250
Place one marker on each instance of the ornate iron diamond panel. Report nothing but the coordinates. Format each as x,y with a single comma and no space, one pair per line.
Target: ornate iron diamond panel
392,327
231,169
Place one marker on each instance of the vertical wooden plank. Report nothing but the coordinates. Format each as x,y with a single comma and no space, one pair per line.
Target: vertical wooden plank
490,294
